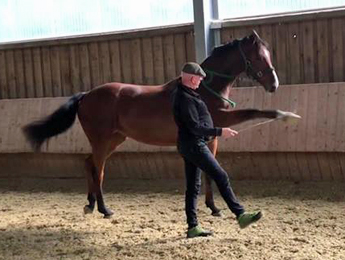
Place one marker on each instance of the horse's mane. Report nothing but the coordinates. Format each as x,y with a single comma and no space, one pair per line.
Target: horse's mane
219,51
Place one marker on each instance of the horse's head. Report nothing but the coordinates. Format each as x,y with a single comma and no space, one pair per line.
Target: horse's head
257,61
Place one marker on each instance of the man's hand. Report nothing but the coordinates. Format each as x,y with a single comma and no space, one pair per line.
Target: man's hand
228,132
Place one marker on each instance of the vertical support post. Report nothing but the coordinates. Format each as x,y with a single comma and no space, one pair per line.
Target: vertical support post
205,11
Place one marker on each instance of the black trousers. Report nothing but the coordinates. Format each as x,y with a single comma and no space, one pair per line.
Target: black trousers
197,157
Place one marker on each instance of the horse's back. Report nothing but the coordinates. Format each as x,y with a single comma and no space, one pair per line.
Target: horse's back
136,111
134,89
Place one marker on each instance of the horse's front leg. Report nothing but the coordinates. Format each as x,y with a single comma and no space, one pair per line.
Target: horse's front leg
226,118
209,200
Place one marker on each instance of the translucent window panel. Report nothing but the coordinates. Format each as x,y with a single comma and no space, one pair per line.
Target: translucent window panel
244,8
32,19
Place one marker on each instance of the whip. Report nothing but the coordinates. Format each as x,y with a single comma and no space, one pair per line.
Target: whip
288,117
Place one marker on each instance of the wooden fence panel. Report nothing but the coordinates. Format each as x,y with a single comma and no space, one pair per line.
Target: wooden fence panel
66,71
76,83
94,64
337,50
38,72
29,73
304,50
125,52
19,73
190,49
322,51
148,63
180,52
308,60
3,77
136,58
169,57
114,49
105,62
55,70
158,60
282,65
11,74
85,70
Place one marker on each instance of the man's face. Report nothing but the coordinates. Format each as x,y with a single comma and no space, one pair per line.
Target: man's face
196,79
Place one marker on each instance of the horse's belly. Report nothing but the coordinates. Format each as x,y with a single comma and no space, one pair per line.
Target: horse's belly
150,130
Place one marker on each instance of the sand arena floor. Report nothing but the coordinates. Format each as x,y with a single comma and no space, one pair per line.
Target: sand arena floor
43,219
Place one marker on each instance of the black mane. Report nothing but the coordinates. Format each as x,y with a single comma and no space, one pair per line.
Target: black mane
219,51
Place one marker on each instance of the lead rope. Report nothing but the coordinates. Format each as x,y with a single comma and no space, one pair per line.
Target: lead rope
232,77
211,73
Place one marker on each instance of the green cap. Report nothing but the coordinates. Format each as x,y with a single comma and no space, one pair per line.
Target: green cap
193,68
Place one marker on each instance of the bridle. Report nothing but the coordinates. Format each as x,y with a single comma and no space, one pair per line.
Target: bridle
249,69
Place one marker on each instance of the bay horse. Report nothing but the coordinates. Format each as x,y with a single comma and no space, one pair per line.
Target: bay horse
112,112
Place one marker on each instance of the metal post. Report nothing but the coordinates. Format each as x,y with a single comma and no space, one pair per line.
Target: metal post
205,11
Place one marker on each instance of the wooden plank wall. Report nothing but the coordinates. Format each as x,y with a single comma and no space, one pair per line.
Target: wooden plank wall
310,51
319,130
293,166
312,149
303,51
55,68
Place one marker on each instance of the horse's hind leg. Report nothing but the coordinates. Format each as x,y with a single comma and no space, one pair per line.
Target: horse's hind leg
209,200
91,196
95,167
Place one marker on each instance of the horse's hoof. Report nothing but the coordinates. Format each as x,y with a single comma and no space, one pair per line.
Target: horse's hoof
87,210
217,214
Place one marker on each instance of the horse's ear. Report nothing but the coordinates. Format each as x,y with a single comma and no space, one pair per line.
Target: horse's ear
254,36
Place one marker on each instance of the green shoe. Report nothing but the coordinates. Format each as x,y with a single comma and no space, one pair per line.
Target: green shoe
245,219
198,232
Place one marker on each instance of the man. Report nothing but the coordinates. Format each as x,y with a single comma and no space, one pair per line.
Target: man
195,128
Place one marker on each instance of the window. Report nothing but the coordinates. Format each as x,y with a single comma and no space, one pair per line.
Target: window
36,19
244,8
32,19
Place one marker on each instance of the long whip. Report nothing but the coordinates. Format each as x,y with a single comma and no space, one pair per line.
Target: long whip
258,124
288,117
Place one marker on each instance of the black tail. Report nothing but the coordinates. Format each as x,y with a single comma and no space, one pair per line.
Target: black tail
58,122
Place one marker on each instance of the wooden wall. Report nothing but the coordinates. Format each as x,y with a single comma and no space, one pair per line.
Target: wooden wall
293,166
311,149
61,67
305,49
319,130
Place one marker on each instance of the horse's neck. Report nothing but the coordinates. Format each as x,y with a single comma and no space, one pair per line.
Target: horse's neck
220,90
219,80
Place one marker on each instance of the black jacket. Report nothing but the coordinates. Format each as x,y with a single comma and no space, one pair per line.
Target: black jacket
192,116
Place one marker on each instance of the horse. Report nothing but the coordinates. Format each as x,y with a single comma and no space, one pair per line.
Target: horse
112,112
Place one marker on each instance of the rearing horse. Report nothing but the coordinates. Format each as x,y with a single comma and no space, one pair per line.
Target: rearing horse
114,111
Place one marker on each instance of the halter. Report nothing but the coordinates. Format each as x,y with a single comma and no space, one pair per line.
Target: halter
249,69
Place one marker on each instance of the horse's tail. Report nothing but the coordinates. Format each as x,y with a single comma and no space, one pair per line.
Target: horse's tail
58,122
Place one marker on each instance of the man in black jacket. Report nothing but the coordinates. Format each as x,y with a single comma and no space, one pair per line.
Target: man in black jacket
195,128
